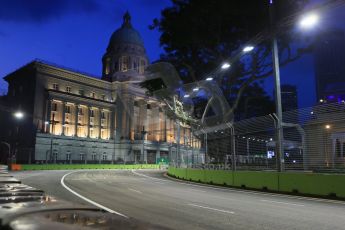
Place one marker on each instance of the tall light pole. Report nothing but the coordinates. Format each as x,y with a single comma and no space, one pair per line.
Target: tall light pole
278,102
18,115
306,22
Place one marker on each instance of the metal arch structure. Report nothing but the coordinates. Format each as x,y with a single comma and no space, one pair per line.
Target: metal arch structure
164,83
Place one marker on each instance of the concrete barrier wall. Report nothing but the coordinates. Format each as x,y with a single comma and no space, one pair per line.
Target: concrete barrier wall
84,166
304,183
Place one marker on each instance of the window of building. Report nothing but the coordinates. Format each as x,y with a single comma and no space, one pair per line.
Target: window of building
80,111
55,155
80,132
93,94
124,63
103,115
104,156
103,97
68,89
142,66
68,109
66,130
55,86
68,156
91,120
54,107
82,156
92,113
81,92
102,134
94,156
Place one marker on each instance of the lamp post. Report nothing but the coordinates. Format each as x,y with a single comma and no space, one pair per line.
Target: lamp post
114,154
278,103
18,115
307,22
143,133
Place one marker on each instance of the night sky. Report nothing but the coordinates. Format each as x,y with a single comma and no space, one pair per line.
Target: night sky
75,34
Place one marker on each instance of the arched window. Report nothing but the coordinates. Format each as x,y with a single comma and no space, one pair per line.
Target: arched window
142,66
338,148
124,63
107,66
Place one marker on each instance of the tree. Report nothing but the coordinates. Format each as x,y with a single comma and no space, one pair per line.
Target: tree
198,35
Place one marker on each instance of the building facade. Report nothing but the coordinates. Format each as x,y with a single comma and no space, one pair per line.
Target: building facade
71,117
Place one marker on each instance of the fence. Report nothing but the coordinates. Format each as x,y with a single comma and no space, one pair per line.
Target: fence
314,140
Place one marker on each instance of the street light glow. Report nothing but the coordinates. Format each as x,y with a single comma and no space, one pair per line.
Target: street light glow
209,79
309,21
328,126
19,115
225,66
248,49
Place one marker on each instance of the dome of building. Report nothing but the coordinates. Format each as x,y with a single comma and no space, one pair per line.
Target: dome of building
125,58
126,34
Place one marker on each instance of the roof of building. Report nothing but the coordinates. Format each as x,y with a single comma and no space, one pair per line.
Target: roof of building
126,34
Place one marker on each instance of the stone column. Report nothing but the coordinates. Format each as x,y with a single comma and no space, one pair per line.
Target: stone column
165,126
88,108
143,115
48,116
63,118
99,122
158,153
76,112
111,124
119,113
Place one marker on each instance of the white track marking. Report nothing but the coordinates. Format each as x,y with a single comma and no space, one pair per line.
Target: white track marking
88,200
193,184
213,209
285,203
133,190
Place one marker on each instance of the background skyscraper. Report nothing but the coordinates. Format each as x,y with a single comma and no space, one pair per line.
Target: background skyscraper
330,66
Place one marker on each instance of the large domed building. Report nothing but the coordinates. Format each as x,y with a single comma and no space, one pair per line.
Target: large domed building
125,58
72,117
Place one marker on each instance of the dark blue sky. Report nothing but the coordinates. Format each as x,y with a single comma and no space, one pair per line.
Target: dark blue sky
75,34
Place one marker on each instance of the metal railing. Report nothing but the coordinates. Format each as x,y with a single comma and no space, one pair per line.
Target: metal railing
314,140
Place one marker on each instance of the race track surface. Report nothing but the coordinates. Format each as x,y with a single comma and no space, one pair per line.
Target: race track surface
151,197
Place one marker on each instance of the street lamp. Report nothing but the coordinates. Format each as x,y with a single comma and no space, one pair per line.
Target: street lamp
225,66
307,22
18,115
248,49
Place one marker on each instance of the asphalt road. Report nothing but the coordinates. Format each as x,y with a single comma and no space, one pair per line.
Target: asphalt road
151,197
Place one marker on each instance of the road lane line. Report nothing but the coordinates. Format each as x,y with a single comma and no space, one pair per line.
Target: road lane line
193,184
133,190
88,200
213,209
279,202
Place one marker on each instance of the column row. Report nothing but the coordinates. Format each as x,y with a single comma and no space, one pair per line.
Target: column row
72,119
